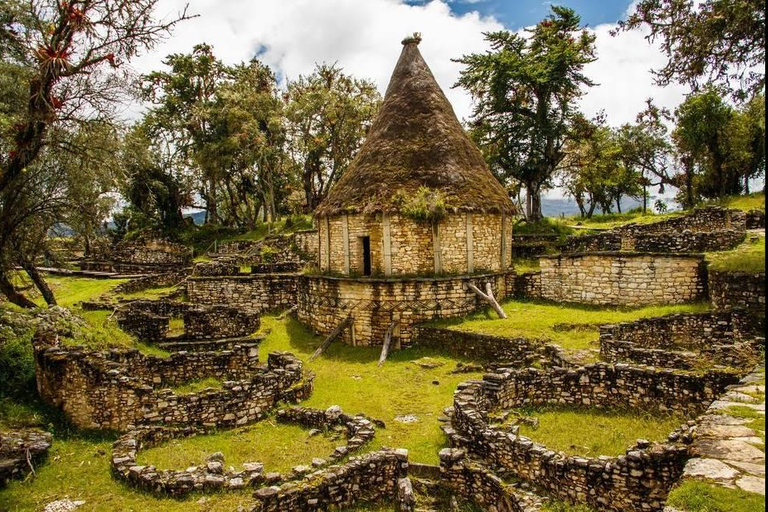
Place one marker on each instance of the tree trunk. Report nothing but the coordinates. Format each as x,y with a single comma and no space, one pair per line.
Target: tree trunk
7,289
37,278
532,203
212,206
618,204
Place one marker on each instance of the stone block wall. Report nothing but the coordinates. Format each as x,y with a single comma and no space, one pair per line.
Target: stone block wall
324,302
688,241
415,248
526,285
594,242
308,244
216,268
623,279
152,281
755,219
153,252
258,292
218,321
636,481
710,218
481,347
737,289
372,477
118,390
21,451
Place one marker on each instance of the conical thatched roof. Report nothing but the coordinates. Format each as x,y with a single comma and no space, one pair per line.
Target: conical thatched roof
416,141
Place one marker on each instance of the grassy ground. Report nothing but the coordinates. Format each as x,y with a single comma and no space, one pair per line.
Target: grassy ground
593,432
694,496
278,446
754,201
747,257
196,386
572,327
150,294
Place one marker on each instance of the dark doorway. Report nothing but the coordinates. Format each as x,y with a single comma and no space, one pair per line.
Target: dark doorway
366,255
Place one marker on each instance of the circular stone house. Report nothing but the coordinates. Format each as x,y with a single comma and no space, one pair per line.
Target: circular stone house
416,217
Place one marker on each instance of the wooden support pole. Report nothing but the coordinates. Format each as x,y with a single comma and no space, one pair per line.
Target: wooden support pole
334,334
387,241
488,297
436,248
327,244
387,342
470,245
345,241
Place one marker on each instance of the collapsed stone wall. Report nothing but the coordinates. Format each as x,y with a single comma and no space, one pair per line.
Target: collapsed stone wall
737,290
219,321
688,241
324,302
709,218
638,480
152,281
755,219
534,245
20,451
623,279
608,241
482,347
476,484
682,340
255,292
119,389
370,478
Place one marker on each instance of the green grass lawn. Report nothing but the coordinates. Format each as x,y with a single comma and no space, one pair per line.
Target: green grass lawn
695,496
755,201
151,293
593,432
747,257
279,447
573,327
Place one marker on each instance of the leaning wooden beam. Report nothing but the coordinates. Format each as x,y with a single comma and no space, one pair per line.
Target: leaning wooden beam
387,343
488,297
334,334
288,312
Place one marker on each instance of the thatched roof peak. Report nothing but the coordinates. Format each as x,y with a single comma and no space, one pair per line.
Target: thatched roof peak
416,141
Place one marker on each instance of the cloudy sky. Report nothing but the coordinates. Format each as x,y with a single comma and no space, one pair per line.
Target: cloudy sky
363,36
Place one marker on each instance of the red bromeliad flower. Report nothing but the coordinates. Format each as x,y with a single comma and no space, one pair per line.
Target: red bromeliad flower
56,102
111,58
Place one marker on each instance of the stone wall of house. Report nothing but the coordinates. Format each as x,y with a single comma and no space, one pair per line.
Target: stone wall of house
307,243
118,390
412,244
606,241
324,302
683,340
534,245
258,292
219,267
737,289
688,241
623,279
372,477
517,352
636,481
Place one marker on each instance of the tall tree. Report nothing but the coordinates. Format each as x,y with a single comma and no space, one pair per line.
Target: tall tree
62,63
329,114
700,138
525,90
183,99
714,41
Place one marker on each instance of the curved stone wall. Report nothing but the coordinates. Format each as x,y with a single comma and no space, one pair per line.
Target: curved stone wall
737,289
638,480
117,390
461,243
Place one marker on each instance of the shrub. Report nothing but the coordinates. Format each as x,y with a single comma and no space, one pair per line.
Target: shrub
426,205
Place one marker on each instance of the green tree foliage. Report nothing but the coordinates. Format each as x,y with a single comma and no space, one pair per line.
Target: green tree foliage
61,72
183,99
646,149
328,114
714,41
525,91
593,171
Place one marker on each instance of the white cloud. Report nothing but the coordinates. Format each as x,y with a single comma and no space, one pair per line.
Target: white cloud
362,37
623,74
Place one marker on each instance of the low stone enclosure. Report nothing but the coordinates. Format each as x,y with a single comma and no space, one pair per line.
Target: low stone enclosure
738,289
686,341
638,480
121,389
149,321
289,251
212,476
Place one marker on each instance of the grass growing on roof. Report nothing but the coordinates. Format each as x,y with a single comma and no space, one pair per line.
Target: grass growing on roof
570,326
696,496
747,257
592,432
278,446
